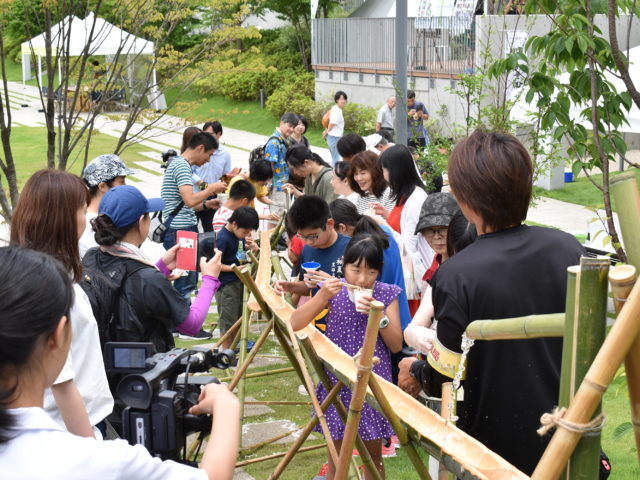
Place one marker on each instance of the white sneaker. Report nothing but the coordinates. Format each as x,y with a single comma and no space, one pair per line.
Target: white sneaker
302,390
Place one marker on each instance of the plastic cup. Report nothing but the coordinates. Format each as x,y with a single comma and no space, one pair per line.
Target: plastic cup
310,267
358,294
223,198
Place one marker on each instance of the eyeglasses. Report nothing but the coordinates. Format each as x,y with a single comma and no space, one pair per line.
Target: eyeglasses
313,237
432,232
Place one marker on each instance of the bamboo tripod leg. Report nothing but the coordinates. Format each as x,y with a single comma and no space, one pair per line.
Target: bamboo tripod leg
232,331
315,362
364,364
311,389
242,369
448,399
403,436
243,364
305,433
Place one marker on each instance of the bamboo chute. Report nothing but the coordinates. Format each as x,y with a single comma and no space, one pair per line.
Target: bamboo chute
531,326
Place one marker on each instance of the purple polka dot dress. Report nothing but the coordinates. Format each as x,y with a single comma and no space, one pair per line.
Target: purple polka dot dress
346,328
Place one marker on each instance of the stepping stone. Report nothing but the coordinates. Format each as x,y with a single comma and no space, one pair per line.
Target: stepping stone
253,433
240,474
256,410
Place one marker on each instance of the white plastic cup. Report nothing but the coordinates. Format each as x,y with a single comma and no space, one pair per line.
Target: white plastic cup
310,267
223,198
358,294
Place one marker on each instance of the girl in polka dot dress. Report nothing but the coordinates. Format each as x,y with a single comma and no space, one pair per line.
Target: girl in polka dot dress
346,328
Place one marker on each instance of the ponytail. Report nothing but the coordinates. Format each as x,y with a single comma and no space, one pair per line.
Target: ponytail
297,154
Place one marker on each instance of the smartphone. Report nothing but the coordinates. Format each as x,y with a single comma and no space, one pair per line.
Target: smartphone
188,252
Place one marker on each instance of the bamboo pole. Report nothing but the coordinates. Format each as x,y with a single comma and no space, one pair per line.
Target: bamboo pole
567,391
243,366
331,396
621,279
627,197
308,382
228,333
315,362
584,334
278,455
401,432
364,364
277,231
259,445
275,402
531,326
266,373
277,269
250,284
447,399
598,377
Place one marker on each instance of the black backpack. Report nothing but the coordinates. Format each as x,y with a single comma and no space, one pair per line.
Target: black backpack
117,322
258,152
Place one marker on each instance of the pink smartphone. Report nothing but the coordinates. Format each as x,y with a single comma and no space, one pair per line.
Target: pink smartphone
188,252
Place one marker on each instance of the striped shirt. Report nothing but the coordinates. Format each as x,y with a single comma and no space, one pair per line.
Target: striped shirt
221,218
178,173
364,202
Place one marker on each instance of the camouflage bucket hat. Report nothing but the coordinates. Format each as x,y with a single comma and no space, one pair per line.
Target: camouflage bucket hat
437,210
104,168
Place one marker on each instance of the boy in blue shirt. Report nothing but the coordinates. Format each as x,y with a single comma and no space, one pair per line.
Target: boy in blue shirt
236,232
310,218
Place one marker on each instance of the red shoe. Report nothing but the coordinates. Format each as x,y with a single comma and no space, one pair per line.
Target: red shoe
355,453
395,441
322,474
389,451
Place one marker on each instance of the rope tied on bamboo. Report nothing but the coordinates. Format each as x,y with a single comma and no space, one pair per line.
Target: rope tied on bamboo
556,419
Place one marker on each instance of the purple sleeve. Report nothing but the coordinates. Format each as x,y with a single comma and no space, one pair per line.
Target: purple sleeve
200,306
163,268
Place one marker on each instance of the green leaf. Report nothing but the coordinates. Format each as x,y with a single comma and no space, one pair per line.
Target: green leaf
583,43
576,168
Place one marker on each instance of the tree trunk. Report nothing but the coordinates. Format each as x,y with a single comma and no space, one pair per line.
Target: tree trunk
49,109
623,68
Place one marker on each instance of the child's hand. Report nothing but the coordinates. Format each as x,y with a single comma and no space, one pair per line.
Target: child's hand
379,209
330,288
282,286
212,395
364,304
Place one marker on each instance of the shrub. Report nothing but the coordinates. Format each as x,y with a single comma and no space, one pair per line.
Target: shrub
360,119
295,96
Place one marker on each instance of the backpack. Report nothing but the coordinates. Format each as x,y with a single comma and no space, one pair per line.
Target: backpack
325,119
117,321
258,152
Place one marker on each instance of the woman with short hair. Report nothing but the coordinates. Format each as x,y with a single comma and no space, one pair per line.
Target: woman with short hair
335,129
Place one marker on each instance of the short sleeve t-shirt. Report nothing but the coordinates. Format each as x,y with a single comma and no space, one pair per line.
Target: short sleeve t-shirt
337,120
221,218
330,258
385,117
227,243
178,174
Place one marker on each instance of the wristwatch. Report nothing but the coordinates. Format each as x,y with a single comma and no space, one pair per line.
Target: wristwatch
384,322
204,205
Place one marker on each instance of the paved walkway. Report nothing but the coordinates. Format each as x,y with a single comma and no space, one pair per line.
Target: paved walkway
167,133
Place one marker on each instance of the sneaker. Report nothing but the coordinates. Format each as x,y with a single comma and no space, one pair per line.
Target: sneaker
302,390
322,474
250,344
395,441
389,451
201,335
355,453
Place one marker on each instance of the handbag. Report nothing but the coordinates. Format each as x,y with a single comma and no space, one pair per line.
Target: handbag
158,228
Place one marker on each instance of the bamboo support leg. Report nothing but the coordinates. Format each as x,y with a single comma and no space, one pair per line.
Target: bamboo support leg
589,395
308,382
364,364
277,231
305,433
242,363
242,368
584,333
232,331
265,373
278,455
315,362
448,398
401,432
627,197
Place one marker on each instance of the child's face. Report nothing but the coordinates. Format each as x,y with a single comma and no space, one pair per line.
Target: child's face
436,237
317,237
360,274
240,232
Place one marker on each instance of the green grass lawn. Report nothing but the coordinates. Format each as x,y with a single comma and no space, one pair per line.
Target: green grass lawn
621,451
582,191
29,145
242,115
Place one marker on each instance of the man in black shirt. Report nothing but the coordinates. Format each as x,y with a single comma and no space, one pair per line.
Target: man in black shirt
510,270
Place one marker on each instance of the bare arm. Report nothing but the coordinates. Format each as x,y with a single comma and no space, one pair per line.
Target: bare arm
265,199
295,287
192,200
220,454
303,315
72,408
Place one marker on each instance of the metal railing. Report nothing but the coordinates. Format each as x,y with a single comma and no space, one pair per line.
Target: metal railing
441,45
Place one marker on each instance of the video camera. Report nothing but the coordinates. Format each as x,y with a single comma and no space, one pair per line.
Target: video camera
167,157
158,392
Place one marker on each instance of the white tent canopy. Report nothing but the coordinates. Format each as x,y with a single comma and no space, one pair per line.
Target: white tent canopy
73,36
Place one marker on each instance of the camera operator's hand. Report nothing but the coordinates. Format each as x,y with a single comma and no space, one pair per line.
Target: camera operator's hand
217,187
213,266
169,257
220,454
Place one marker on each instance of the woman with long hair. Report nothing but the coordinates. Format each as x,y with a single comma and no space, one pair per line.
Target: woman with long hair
408,194
50,218
35,341
317,173
340,182
367,180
